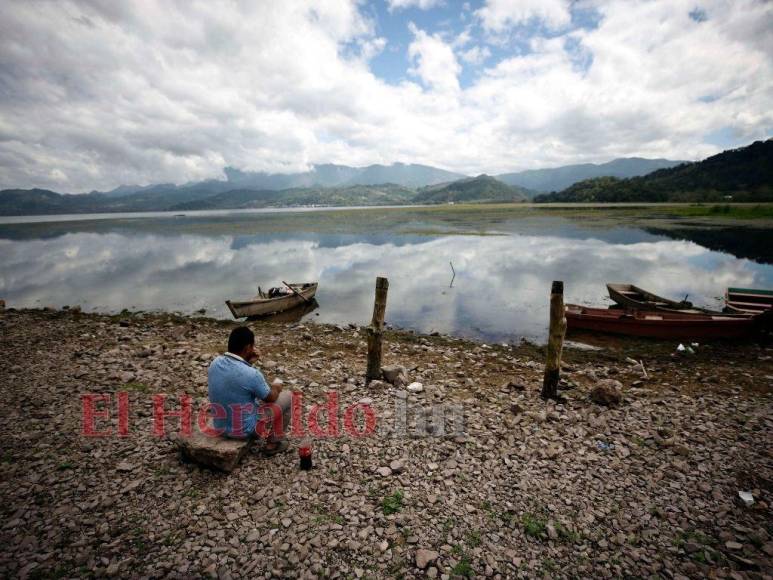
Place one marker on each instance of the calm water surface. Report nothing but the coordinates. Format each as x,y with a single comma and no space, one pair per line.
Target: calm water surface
500,292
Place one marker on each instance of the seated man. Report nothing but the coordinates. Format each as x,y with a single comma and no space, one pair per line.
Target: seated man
240,390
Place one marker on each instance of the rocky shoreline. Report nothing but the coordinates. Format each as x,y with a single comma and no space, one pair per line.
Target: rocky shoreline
648,487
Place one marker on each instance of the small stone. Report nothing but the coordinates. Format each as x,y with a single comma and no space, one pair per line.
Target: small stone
425,557
125,466
513,386
383,546
415,387
681,450
397,465
112,569
384,471
733,546
394,374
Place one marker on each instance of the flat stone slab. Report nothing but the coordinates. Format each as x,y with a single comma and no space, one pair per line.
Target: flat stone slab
215,452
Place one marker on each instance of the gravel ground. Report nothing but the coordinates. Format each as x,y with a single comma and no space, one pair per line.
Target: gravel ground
523,488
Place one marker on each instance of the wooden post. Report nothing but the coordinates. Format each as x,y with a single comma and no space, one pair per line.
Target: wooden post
376,331
555,341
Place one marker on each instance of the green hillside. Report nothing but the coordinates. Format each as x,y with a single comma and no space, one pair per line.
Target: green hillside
481,189
744,174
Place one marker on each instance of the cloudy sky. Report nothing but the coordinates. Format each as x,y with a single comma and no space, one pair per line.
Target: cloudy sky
97,93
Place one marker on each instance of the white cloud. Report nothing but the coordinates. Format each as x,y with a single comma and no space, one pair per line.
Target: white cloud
98,94
433,61
476,55
370,48
421,4
497,15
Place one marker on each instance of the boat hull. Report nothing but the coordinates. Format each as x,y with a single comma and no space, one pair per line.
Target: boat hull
265,306
656,324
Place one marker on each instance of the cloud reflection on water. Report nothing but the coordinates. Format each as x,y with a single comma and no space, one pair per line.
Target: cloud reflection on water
500,291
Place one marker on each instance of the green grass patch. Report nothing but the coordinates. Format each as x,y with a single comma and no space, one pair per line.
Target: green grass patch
725,210
392,504
566,534
533,526
137,387
463,568
695,536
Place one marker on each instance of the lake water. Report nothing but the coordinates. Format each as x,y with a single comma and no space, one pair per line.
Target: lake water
504,262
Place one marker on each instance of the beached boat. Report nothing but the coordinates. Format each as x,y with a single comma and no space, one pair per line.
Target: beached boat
749,300
275,300
658,324
630,296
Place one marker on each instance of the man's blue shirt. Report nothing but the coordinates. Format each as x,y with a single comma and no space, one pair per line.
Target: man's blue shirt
238,388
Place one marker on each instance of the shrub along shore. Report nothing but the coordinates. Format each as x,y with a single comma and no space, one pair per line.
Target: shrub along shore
525,488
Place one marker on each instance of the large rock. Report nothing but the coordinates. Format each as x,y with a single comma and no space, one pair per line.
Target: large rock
395,375
425,557
607,392
214,452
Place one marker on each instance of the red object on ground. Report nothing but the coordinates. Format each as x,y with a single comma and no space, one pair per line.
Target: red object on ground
657,324
304,452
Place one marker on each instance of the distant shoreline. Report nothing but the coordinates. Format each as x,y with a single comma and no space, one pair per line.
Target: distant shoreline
72,217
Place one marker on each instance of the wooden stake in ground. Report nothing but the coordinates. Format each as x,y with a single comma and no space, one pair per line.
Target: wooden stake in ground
555,341
376,331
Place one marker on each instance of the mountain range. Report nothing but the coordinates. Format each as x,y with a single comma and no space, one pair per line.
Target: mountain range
558,178
745,172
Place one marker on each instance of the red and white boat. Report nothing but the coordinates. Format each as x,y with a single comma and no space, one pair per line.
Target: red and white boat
658,324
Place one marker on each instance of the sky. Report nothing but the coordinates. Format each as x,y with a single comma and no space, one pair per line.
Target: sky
98,93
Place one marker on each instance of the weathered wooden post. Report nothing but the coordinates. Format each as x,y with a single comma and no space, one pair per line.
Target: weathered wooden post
376,331
555,341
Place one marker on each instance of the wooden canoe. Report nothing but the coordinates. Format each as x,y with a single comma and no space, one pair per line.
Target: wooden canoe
631,296
658,324
749,300
263,305
635,298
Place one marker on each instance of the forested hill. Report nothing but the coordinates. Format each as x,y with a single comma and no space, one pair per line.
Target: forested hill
481,189
559,178
744,174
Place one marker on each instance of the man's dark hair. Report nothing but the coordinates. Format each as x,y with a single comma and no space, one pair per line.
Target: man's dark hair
240,337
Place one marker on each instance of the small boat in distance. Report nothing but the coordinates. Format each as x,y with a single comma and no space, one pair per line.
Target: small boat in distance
658,324
635,298
276,300
749,300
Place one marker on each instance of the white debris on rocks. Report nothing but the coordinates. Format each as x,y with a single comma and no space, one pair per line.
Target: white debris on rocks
415,387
